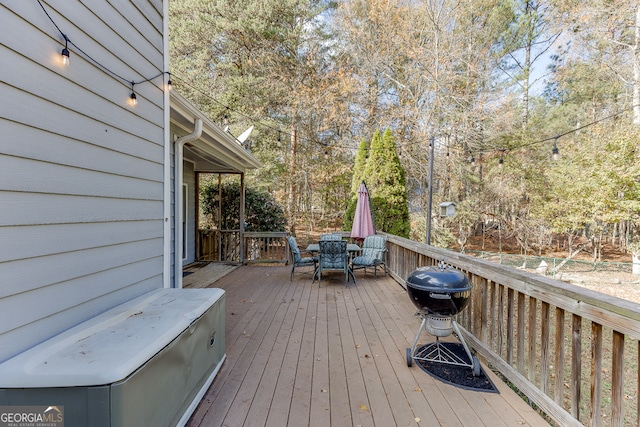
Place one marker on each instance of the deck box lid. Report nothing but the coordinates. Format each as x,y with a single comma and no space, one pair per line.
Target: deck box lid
111,346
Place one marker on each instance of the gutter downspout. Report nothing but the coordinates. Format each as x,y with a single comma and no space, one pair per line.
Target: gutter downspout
166,185
177,191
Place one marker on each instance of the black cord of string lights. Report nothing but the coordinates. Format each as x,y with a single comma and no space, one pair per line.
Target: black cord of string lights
279,130
97,63
495,150
254,120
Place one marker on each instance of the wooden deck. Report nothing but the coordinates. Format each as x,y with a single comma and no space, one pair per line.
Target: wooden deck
299,355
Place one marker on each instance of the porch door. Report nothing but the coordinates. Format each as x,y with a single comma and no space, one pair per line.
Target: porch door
185,211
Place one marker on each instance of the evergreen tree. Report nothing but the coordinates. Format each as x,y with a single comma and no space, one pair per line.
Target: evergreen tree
386,182
359,167
356,179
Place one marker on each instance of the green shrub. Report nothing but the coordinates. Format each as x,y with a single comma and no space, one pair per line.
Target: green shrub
262,212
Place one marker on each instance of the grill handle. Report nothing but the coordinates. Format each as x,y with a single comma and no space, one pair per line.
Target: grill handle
439,296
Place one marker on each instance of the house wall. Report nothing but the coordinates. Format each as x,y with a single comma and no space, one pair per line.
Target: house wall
81,171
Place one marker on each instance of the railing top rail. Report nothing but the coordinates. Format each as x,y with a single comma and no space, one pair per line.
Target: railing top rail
266,233
617,313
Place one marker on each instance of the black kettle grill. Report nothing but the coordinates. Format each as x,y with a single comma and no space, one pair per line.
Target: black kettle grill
439,293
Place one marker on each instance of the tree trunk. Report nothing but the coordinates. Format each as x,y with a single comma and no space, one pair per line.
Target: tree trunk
526,71
636,72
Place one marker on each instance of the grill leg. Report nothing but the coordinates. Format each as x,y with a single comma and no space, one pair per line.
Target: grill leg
461,338
415,341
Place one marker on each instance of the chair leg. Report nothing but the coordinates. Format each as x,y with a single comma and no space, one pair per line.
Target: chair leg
292,270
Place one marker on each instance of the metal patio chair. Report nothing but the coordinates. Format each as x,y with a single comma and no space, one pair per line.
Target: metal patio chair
373,251
331,236
297,259
333,256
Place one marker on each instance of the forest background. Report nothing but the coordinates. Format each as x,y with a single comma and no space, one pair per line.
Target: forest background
501,87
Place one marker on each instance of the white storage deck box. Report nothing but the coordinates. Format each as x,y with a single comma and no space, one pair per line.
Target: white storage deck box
144,363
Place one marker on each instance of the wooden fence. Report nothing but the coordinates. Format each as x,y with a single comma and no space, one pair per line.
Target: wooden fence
572,351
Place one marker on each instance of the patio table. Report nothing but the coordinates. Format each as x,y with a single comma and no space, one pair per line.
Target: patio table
351,248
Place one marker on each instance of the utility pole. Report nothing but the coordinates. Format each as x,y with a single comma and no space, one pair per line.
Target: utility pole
430,199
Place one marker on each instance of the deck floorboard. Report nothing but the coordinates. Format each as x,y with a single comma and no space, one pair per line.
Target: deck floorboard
303,355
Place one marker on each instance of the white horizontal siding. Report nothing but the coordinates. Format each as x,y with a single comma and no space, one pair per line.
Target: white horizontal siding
18,309
43,177
81,171
23,243
151,10
100,154
40,330
32,208
68,124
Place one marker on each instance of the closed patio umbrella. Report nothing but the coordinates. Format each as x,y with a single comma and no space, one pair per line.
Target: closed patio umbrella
362,220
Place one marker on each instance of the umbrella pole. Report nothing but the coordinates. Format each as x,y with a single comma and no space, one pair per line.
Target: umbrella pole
373,215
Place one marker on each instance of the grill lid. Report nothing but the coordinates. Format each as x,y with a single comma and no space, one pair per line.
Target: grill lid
434,279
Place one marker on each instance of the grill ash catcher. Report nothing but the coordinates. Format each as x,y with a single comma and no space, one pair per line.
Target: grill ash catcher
439,293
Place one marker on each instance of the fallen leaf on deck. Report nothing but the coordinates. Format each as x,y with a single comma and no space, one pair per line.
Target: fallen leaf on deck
364,408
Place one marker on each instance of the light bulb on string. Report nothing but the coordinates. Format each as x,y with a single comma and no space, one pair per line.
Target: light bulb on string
133,100
555,153
169,81
65,51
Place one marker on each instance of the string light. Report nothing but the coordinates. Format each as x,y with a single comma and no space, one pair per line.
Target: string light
168,81
501,161
65,60
133,100
555,153
65,51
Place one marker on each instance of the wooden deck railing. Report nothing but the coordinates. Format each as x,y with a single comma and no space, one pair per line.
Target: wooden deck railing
224,246
572,351
268,247
219,245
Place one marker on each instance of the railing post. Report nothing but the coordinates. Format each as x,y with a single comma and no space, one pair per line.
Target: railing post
576,364
511,302
617,380
544,353
559,359
533,314
596,373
